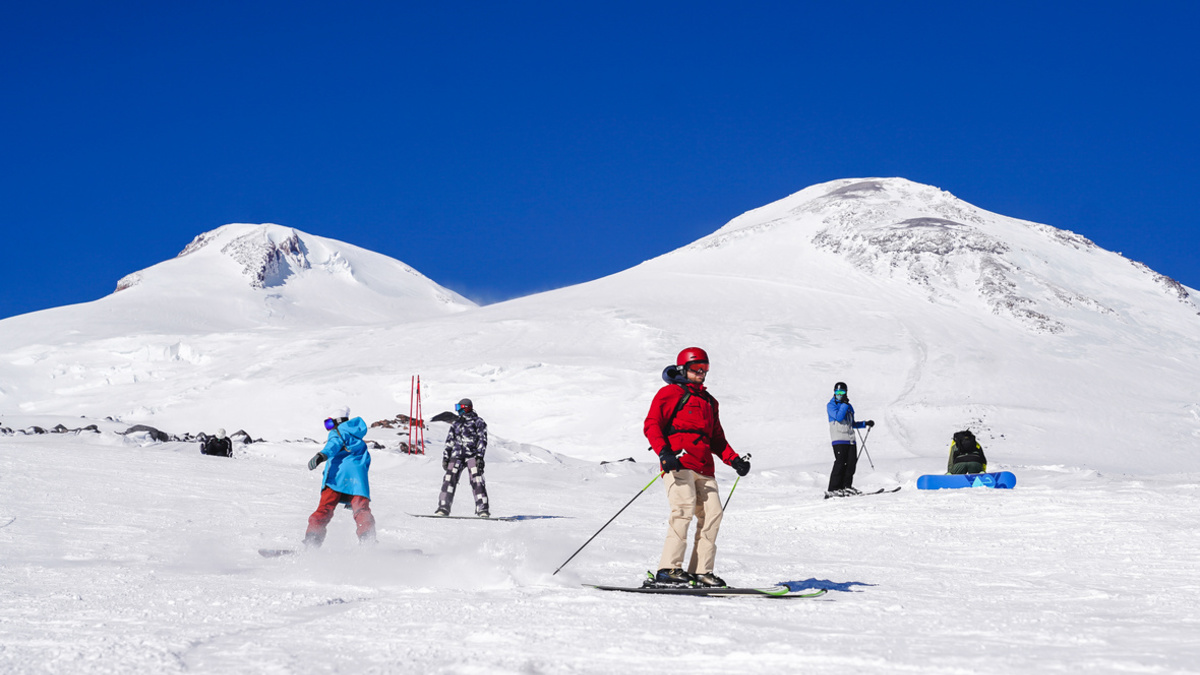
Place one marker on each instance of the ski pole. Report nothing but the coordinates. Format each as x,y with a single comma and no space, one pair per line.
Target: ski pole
730,495
639,494
864,447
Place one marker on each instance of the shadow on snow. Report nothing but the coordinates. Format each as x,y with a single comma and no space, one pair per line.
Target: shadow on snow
844,586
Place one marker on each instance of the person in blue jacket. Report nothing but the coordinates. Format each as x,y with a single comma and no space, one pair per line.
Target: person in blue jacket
845,449
345,482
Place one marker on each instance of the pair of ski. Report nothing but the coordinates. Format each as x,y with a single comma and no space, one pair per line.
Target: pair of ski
650,586
865,494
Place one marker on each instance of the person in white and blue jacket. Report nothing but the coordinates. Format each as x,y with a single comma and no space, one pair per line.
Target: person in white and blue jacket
845,449
466,444
345,479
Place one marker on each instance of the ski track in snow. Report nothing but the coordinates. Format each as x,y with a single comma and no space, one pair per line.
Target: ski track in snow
144,559
920,353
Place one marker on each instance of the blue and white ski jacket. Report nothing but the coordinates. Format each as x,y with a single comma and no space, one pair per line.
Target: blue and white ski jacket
349,461
841,422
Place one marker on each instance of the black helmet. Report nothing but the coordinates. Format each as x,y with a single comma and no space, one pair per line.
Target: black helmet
840,386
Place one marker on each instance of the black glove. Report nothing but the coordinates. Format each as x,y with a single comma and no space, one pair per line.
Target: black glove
316,461
669,462
479,463
869,423
445,463
741,466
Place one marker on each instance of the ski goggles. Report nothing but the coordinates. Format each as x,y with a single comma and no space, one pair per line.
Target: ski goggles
698,366
458,408
330,423
840,392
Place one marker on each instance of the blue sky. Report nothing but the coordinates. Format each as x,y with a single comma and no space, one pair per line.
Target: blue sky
509,148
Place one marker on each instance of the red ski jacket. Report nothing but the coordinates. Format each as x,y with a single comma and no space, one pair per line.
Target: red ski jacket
695,429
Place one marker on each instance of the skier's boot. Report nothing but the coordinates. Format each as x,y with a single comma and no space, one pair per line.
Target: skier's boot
313,541
673,577
851,492
441,512
710,580
484,514
835,493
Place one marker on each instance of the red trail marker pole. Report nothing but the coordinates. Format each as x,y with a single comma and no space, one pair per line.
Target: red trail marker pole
416,420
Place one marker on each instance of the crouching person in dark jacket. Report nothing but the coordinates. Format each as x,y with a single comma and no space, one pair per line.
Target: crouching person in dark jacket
218,445
966,455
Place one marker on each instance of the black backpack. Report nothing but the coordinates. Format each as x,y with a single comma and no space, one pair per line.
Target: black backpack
966,448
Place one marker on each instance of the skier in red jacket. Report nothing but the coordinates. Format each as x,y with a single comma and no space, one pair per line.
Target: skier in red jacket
684,429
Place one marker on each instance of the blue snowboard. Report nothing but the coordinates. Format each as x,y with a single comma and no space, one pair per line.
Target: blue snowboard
999,479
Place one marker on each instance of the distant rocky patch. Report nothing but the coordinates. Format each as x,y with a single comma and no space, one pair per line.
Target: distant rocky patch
396,422
950,248
129,281
1169,285
155,434
402,423
856,190
266,262
57,429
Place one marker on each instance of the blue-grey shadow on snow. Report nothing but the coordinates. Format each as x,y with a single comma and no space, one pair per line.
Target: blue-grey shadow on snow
843,586
530,517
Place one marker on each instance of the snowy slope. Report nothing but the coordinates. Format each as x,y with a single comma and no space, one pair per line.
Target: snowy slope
122,558
939,315
1077,368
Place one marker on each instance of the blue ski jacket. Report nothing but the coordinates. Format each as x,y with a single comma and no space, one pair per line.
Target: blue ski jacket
348,463
841,422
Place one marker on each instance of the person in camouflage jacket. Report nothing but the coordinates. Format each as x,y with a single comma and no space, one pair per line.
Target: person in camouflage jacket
465,446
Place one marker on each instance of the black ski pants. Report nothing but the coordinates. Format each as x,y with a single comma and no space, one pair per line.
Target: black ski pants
845,461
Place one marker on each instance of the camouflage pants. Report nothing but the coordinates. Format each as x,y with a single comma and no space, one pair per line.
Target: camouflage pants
478,486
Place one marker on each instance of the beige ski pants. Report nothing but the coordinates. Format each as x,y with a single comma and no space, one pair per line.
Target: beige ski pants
691,495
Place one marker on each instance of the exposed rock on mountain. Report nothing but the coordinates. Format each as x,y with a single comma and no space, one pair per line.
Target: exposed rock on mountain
892,228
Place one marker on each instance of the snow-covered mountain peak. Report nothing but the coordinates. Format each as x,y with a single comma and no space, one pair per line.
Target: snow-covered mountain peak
270,254
895,230
245,276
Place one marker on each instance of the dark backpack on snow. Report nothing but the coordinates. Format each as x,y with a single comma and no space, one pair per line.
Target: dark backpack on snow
967,449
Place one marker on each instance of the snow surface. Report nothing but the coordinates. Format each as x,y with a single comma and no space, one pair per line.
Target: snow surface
1078,369
125,558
